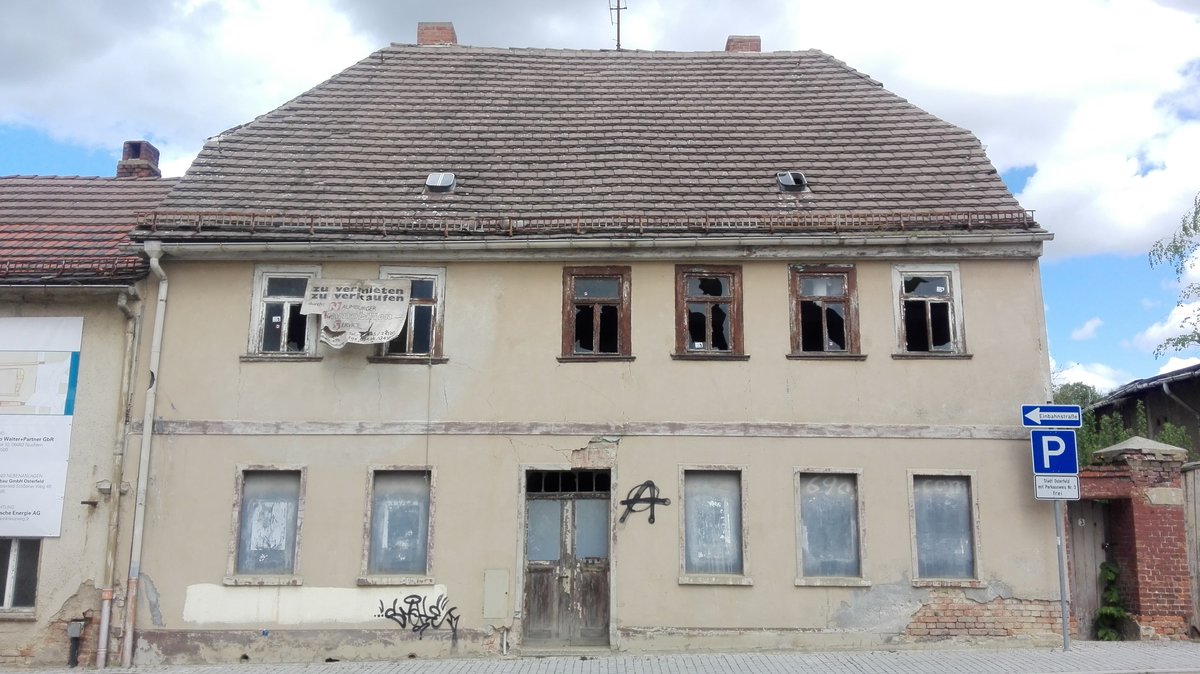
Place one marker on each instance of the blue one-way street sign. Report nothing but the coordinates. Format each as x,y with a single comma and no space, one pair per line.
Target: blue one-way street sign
1051,416
1054,452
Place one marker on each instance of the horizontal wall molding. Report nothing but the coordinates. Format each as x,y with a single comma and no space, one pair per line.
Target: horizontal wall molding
760,429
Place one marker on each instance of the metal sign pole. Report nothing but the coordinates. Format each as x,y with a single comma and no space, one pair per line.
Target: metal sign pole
1062,575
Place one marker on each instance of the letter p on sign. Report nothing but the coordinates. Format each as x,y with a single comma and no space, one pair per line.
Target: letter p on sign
1054,452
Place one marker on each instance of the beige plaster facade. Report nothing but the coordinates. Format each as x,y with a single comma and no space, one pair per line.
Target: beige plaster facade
503,403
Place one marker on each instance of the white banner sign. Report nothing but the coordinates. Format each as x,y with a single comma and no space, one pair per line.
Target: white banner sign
39,366
362,312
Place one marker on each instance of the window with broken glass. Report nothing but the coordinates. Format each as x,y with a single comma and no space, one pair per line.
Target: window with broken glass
709,311
399,523
824,311
421,338
596,311
943,511
18,572
268,522
829,524
927,311
278,326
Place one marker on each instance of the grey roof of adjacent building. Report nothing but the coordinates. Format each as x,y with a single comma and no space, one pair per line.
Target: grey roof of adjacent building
592,135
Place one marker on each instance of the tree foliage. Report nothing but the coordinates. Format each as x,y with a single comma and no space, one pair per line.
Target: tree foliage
1177,251
1076,393
1096,433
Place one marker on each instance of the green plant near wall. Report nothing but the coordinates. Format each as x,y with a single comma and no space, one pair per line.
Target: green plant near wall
1111,615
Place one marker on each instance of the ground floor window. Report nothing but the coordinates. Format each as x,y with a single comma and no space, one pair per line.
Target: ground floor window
712,522
945,536
18,571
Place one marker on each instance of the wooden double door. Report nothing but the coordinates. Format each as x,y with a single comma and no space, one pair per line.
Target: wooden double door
567,523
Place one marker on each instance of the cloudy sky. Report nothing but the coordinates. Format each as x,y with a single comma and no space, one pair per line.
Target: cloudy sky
1089,108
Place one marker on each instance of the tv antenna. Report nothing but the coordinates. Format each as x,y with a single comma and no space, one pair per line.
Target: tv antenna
615,7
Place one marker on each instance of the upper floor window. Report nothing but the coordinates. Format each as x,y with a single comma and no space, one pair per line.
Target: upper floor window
708,308
596,313
929,307
277,326
824,310
421,338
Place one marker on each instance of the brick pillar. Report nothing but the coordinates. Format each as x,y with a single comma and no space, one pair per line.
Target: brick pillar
436,32
1147,531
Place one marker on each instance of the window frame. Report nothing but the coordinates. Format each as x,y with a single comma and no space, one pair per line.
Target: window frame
365,577
976,532
232,575
799,472
624,319
736,579
12,561
737,350
259,299
849,272
438,276
958,335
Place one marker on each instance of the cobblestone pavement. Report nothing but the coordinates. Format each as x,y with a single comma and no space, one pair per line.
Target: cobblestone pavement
1083,657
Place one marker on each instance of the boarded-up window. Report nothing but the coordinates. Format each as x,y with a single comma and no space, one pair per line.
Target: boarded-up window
945,536
829,525
267,522
712,522
18,571
399,523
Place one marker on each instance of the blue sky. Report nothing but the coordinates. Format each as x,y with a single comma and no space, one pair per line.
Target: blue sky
1102,142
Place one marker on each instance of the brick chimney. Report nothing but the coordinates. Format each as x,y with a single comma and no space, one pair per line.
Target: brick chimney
139,159
743,43
436,32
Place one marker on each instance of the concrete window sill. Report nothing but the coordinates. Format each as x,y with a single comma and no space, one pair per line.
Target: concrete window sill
949,582
832,581
17,615
394,580
715,580
263,581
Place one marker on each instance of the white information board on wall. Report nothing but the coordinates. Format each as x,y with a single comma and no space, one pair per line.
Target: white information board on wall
39,370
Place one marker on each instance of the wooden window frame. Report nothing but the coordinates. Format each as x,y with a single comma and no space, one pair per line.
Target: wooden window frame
848,272
10,566
258,317
232,576
744,578
953,298
624,331
976,534
365,576
438,276
802,580
734,275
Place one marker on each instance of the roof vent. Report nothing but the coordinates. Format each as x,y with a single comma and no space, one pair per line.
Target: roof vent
791,181
439,182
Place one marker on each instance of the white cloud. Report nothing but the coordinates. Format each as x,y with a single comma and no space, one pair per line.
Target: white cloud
1087,330
1173,325
1176,363
1098,375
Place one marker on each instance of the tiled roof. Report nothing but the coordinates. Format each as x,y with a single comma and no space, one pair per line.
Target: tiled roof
588,136
67,230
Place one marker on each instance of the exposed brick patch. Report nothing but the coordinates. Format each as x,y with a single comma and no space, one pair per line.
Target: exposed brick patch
1159,627
950,613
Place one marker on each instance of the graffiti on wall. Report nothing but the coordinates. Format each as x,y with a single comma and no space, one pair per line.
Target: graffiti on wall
419,613
644,495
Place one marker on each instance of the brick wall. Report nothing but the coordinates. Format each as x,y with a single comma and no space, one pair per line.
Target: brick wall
950,613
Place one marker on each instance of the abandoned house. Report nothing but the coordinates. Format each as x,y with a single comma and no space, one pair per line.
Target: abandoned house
479,351
69,316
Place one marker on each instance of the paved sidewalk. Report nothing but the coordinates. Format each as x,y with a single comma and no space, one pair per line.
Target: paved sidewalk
1083,657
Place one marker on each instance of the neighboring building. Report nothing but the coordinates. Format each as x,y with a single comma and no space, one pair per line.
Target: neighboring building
69,306
1172,397
756,285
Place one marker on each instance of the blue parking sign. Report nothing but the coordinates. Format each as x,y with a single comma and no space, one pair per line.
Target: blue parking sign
1054,452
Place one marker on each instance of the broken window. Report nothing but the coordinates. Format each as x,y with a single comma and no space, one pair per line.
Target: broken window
268,522
829,531
824,310
943,509
18,572
712,502
278,326
709,311
596,312
421,338
400,504
928,311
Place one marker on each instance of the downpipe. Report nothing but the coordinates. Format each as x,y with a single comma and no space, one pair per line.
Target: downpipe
133,329
154,251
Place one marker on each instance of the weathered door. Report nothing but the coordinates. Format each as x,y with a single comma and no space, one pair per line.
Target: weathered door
566,558
1191,507
1088,551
